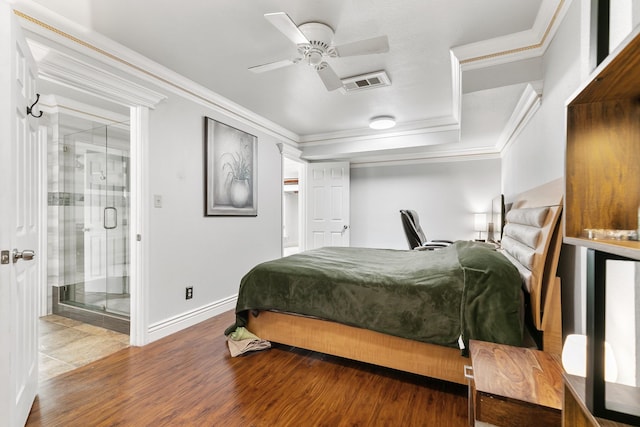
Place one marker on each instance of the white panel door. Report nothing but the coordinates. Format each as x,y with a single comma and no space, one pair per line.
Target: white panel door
19,224
328,204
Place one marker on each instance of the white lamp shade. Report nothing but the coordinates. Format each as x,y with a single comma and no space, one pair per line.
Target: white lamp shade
480,221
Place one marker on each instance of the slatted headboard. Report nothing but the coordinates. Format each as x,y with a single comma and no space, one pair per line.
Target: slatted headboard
532,239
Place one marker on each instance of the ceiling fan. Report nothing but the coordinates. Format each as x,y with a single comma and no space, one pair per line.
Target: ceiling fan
315,45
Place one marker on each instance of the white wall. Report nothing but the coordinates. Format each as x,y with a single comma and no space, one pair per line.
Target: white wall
445,195
537,154
186,248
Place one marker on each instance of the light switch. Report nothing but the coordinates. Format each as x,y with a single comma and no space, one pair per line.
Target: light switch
157,201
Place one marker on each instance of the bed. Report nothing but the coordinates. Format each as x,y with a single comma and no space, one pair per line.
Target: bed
473,292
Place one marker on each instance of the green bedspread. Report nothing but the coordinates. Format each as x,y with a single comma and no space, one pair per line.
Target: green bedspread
466,289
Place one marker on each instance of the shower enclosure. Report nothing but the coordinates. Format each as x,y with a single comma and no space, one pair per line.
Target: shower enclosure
94,226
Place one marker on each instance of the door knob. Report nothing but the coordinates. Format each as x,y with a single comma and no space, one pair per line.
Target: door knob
26,255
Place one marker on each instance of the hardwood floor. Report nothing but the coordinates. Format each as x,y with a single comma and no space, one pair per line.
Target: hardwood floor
189,379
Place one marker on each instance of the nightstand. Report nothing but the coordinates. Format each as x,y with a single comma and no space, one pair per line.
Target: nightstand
514,386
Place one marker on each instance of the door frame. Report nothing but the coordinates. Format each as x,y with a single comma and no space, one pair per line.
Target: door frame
292,154
80,72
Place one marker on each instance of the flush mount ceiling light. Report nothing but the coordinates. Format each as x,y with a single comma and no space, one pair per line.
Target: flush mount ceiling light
382,122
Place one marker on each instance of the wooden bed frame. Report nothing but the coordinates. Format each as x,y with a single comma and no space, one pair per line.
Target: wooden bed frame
420,358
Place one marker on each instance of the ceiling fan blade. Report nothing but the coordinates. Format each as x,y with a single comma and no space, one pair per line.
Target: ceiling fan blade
282,22
271,66
364,47
329,77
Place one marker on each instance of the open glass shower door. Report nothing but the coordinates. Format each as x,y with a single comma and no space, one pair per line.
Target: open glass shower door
97,274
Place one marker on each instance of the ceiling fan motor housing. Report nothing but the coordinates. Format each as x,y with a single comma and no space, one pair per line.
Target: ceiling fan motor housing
320,37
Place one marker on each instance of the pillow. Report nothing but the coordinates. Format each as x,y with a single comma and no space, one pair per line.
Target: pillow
528,216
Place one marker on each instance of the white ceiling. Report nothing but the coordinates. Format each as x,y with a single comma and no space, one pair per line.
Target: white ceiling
214,42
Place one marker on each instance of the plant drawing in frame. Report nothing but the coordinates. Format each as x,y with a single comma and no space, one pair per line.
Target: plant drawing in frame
231,160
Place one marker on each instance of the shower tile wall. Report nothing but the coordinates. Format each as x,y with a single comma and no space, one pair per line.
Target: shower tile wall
62,198
54,274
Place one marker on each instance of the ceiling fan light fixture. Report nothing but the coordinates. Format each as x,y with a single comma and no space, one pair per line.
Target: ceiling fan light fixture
382,122
314,58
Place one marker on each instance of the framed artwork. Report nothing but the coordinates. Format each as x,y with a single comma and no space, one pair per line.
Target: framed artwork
231,163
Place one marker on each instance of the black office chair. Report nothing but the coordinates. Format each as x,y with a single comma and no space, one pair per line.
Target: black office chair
415,236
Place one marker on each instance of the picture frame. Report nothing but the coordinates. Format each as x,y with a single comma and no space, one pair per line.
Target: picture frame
231,170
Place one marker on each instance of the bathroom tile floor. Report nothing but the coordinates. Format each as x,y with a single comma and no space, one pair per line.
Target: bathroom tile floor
66,344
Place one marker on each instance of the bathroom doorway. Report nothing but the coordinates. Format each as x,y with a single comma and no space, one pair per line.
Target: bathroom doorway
92,223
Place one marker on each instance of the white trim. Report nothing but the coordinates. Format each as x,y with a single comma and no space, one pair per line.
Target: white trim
139,226
72,72
456,88
46,24
43,215
56,104
182,321
435,124
513,47
43,22
434,157
527,104
404,130
381,145
289,151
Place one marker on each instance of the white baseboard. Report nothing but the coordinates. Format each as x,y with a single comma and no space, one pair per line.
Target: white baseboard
177,323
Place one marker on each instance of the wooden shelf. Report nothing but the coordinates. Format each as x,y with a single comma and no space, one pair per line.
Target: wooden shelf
625,248
575,413
603,153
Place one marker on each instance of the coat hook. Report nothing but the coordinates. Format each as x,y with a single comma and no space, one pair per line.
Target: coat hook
30,109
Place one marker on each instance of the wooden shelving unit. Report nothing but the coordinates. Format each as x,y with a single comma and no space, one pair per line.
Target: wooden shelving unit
602,192
603,153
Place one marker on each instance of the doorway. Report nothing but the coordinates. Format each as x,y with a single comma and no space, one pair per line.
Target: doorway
92,223
292,206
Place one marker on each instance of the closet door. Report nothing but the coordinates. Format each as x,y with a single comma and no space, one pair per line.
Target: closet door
328,204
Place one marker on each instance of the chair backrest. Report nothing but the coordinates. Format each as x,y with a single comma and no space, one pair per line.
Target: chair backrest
412,229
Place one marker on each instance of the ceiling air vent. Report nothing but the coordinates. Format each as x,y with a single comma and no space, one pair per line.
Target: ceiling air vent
365,81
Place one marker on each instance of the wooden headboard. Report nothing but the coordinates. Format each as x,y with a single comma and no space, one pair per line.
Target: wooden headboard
537,217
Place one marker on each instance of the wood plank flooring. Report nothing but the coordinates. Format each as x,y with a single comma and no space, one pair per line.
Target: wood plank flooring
189,379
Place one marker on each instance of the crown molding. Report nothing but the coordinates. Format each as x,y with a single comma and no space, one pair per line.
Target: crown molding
447,156
289,151
54,28
94,47
411,128
69,71
59,104
382,145
522,45
527,105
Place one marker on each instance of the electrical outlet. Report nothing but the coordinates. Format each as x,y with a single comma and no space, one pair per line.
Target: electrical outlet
189,292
